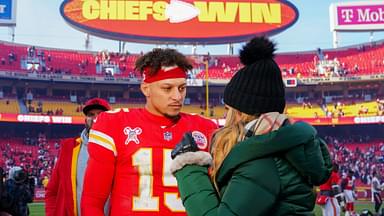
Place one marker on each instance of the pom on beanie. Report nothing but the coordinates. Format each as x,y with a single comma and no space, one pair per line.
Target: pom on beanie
257,49
258,87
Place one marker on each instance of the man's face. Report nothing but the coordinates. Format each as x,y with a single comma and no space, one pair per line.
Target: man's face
91,115
165,97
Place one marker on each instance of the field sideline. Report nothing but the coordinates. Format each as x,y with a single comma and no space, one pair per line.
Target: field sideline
37,209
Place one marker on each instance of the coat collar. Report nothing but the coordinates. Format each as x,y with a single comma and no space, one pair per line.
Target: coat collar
260,146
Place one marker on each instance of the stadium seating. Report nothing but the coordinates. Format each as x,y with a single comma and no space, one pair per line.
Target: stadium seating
297,110
358,60
52,106
37,156
9,105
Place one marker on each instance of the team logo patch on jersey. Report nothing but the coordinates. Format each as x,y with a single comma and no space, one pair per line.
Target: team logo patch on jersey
200,139
167,136
132,135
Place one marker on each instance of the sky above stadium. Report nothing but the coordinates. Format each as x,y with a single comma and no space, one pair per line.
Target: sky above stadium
39,23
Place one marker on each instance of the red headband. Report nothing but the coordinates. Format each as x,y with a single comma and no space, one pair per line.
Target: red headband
163,73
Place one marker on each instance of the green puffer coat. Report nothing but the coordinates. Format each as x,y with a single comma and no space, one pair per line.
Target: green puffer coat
271,174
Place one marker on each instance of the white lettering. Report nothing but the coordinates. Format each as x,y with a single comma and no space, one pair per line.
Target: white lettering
381,14
370,16
375,16
61,119
2,8
39,194
363,16
347,15
371,119
33,118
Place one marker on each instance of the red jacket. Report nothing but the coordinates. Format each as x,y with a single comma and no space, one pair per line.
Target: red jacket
60,194
333,180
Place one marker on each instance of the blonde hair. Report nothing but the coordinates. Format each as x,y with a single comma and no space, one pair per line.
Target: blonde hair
225,138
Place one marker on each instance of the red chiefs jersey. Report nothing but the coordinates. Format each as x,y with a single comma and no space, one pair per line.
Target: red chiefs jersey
130,156
333,180
349,183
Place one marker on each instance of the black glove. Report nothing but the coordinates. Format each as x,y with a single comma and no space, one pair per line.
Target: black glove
187,144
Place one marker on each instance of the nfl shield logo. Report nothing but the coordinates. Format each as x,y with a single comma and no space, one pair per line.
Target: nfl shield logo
167,136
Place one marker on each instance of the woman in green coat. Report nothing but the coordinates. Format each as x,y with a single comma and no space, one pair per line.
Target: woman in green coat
261,163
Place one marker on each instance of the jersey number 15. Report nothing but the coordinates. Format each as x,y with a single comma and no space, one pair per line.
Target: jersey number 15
145,201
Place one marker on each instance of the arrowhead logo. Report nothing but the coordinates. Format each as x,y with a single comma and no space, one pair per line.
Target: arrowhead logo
179,21
179,11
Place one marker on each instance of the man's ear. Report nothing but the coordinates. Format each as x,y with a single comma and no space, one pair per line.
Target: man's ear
145,89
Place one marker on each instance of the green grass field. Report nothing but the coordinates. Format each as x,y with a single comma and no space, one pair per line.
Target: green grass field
37,209
359,206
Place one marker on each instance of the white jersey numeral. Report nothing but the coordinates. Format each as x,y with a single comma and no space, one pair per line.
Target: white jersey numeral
171,200
143,160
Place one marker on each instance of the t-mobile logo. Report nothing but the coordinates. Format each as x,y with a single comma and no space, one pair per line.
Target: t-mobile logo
347,15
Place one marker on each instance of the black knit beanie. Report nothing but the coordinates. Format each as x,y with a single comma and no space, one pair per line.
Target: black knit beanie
258,87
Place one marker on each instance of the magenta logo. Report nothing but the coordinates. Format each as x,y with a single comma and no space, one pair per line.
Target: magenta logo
356,15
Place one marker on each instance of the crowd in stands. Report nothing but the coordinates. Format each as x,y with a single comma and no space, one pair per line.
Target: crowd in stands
37,105
380,107
359,154
337,107
111,64
36,155
358,60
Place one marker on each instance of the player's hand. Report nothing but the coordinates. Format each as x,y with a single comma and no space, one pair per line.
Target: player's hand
187,144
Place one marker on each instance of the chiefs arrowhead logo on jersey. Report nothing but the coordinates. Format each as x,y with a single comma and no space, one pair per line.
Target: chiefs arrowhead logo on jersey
200,139
132,135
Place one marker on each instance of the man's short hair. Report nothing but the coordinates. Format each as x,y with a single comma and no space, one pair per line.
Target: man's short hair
157,58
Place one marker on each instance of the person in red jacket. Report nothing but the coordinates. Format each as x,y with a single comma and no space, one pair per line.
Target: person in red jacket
62,195
331,198
130,149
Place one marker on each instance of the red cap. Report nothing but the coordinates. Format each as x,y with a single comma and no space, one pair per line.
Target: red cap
96,103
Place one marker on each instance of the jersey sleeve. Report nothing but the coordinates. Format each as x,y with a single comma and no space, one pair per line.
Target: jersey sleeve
336,179
100,170
102,133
